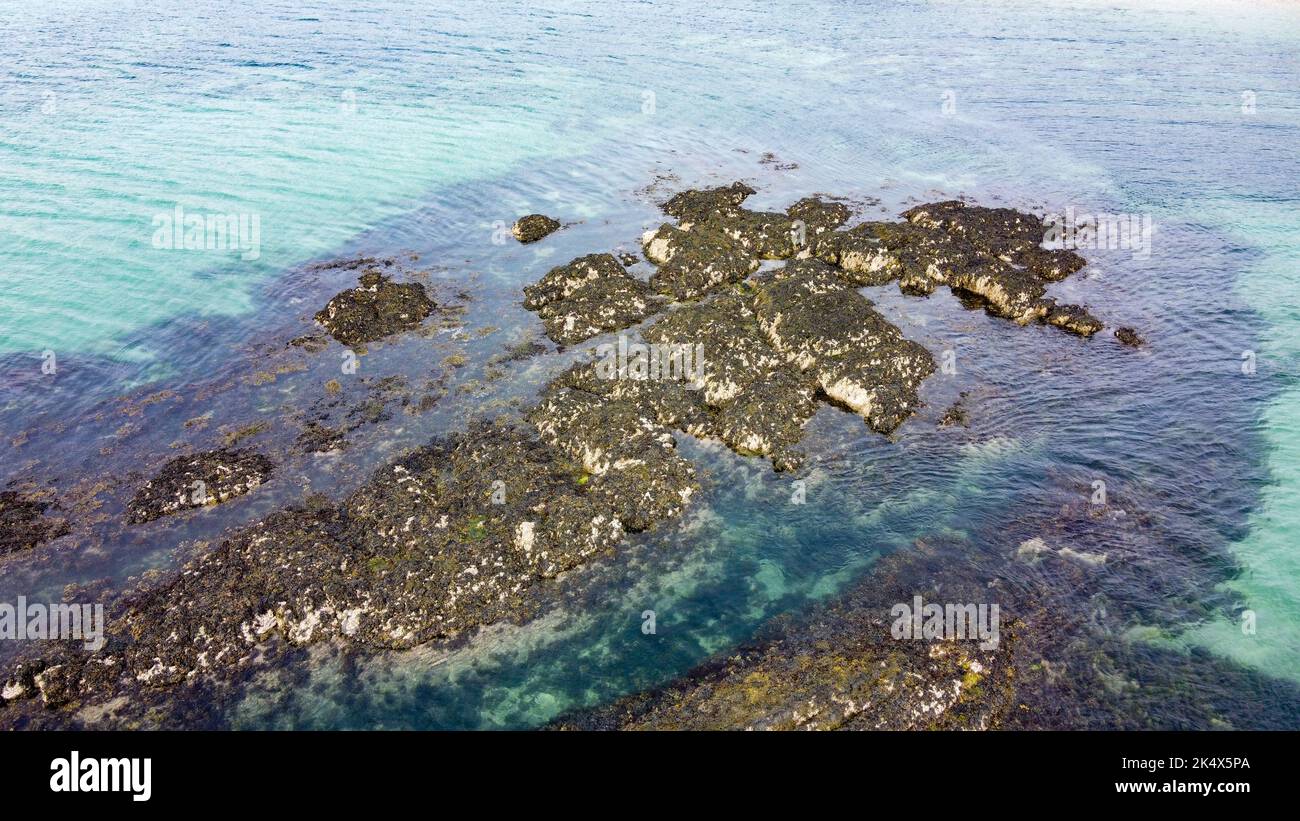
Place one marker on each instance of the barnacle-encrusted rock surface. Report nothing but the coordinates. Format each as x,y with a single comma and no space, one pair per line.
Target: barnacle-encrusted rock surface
376,308
693,263
452,536
588,296
1129,337
23,523
534,227
199,480
820,324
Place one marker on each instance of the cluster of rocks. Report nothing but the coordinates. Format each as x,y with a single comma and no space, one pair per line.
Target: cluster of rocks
449,537
464,531
992,257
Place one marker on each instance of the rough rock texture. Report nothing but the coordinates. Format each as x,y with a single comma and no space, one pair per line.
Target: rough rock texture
991,257
378,307
818,216
693,263
197,481
589,296
450,537
465,531
692,205
534,227
820,324
23,523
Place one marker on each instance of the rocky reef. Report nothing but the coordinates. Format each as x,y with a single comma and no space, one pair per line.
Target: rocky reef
469,529
376,308
198,481
534,227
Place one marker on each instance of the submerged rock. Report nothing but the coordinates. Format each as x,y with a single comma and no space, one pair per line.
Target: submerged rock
534,227
588,296
838,668
198,481
378,307
1129,337
956,414
24,525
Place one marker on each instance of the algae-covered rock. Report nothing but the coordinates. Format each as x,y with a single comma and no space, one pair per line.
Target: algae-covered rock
23,523
840,667
200,480
696,262
818,217
1129,337
1074,319
534,227
378,307
760,234
692,205
588,296
858,359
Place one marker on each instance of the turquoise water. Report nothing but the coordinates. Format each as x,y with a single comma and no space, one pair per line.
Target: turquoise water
419,128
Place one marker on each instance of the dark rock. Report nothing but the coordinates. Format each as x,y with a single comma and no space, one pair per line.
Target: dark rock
534,227
818,217
378,307
693,263
1074,319
1129,337
197,481
24,525
693,205
956,414
858,359
838,668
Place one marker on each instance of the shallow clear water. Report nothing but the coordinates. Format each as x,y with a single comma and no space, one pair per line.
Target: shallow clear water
417,129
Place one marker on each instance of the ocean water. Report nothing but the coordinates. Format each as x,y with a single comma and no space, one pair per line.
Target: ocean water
419,129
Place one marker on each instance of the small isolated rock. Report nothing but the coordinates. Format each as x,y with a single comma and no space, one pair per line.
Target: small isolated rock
956,414
378,307
198,481
1129,337
533,227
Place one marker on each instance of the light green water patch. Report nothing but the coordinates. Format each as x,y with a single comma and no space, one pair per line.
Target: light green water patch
1270,554
81,224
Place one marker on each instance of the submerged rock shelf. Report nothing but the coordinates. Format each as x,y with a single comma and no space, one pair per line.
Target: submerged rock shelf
465,531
